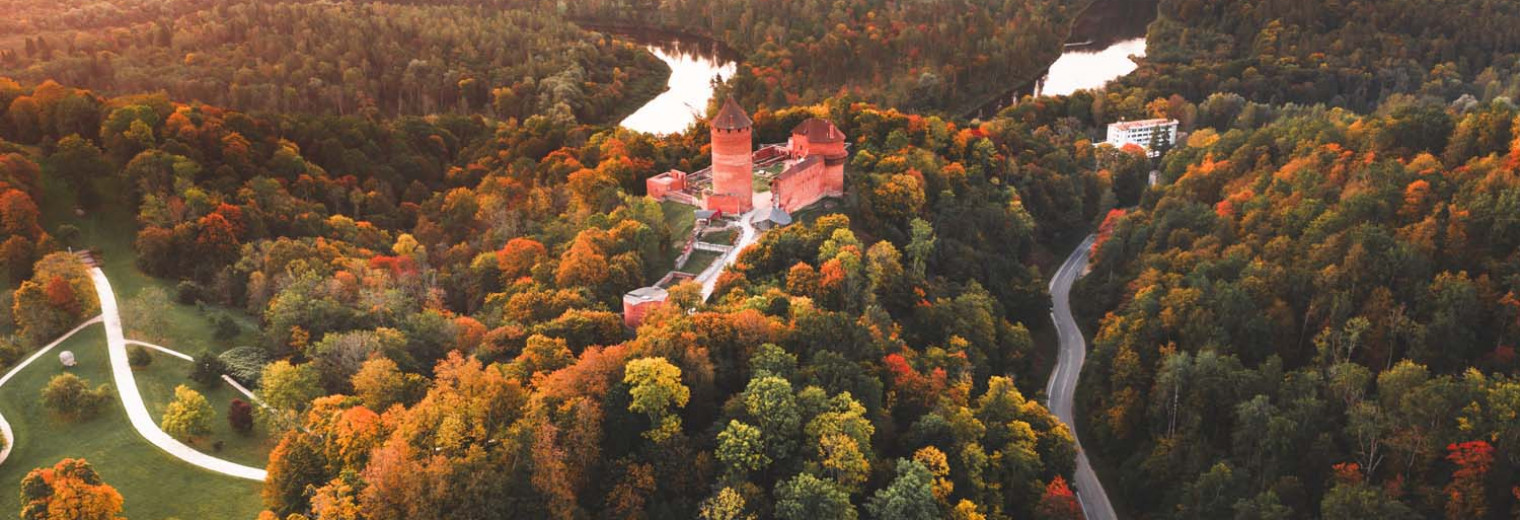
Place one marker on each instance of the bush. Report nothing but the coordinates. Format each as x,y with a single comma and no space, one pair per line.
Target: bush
240,416
138,356
67,234
69,396
245,364
208,369
187,292
188,416
226,328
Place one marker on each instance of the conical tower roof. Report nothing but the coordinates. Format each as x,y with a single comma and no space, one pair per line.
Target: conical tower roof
731,117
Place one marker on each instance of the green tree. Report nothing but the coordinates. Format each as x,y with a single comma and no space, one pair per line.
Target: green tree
288,389
70,396
138,356
741,449
78,162
188,416
920,246
655,386
910,496
1356,501
806,497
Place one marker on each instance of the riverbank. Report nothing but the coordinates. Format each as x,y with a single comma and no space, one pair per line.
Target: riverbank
1100,27
642,91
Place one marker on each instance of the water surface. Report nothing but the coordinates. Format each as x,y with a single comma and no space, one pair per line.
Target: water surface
694,64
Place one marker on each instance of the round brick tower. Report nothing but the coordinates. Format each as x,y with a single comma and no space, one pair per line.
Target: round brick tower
733,168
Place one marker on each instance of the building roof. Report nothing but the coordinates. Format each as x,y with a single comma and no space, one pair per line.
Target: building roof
731,117
775,215
819,131
1128,125
702,214
646,294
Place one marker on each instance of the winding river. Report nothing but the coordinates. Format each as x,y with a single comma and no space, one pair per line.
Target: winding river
1101,48
694,64
1103,42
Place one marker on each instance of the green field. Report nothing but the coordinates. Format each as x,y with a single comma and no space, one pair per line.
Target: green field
111,230
153,484
157,382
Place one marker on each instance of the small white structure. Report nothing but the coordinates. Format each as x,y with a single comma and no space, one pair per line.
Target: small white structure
1150,134
67,358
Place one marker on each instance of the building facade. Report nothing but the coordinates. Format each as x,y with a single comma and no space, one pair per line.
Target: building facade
1154,135
639,302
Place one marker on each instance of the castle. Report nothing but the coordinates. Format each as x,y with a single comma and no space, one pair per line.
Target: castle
806,169
811,167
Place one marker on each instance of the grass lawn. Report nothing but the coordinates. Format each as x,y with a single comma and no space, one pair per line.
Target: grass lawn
726,237
157,381
153,484
826,206
679,219
699,261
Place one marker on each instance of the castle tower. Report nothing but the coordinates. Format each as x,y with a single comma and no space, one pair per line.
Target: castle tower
733,168
818,137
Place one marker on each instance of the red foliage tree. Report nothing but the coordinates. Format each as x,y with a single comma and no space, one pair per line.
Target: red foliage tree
60,294
1465,494
240,416
217,238
1107,228
1058,502
517,258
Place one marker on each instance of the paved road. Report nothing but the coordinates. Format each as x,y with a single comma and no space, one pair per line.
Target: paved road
5,426
131,397
1063,381
747,236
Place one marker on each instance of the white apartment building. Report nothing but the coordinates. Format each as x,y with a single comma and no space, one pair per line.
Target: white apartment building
1160,132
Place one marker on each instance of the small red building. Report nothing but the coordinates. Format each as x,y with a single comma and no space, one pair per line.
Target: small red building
659,186
638,302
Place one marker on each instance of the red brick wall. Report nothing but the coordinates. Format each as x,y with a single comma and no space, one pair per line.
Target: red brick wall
733,171
797,188
633,314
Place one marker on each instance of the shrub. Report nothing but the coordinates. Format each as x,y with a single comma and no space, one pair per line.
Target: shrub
240,416
69,396
208,369
245,364
67,234
187,292
188,416
138,356
226,328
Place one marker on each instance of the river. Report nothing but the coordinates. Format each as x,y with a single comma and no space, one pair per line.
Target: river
694,63
1099,50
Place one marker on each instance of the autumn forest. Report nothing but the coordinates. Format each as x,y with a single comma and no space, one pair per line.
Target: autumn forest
371,261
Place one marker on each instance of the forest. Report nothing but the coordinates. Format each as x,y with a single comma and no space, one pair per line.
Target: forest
439,294
429,225
943,57
508,61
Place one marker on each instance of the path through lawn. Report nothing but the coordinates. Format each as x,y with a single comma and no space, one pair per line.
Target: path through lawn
153,484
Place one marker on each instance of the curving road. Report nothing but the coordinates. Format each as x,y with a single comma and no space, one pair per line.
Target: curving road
131,397
747,236
1062,387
